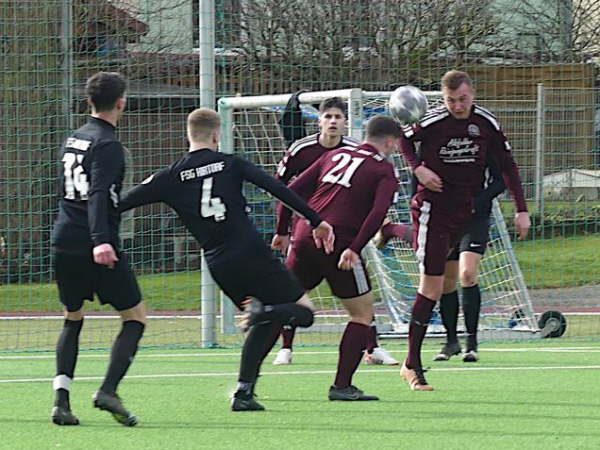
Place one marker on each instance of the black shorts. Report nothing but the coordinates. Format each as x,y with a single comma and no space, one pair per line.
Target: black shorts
262,276
475,239
79,278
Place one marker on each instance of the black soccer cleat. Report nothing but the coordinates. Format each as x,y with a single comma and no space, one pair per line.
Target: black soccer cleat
63,416
349,394
448,351
113,404
242,402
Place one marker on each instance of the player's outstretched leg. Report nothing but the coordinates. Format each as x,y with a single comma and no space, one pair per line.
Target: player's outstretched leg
471,309
449,313
122,354
286,314
390,231
284,355
67,349
352,347
412,368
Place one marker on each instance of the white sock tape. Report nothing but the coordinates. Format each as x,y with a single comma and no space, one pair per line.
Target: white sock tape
62,382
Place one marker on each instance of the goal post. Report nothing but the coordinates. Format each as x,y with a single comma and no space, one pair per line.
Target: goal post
249,127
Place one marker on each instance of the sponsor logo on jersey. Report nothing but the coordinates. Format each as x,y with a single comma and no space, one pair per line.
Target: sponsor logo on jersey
78,144
459,150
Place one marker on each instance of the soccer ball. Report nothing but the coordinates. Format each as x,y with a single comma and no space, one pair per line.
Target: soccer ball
408,104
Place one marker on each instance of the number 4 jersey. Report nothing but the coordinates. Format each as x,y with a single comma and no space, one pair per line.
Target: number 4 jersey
205,189
352,189
91,175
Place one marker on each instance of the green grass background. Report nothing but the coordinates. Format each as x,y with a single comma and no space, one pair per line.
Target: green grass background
515,406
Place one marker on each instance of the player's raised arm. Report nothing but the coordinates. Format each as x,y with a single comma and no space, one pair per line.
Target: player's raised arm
384,196
289,198
303,186
151,190
426,176
408,151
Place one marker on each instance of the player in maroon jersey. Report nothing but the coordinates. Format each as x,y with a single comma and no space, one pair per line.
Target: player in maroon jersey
454,141
299,157
353,188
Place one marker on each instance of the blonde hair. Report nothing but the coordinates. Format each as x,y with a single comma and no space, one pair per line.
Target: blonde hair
201,123
453,79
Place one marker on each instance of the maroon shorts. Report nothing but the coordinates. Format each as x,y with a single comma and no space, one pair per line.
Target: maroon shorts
311,265
436,232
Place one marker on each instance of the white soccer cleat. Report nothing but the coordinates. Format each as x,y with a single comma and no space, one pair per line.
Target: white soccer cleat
284,357
380,356
471,356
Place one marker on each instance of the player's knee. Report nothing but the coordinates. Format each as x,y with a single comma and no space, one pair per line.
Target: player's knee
74,316
137,313
305,317
306,302
468,278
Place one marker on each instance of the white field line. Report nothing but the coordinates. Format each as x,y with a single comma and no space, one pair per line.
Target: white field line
305,372
316,352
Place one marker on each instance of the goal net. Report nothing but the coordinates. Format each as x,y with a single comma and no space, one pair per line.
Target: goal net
250,128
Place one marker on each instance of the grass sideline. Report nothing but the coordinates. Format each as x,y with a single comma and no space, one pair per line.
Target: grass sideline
523,396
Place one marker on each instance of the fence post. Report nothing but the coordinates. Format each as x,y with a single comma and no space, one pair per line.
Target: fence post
539,152
206,40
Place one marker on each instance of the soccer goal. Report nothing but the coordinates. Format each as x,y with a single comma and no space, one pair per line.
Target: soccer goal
250,128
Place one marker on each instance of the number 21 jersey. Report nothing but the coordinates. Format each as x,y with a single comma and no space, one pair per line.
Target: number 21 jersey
352,189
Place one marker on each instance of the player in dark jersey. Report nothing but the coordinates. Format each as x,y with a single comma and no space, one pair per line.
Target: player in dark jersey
464,260
352,188
463,263
205,189
86,247
299,157
454,141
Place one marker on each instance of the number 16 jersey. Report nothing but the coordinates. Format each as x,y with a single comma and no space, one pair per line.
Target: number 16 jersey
91,176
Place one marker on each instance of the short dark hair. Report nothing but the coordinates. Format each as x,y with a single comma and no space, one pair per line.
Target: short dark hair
380,126
453,79
104,89
202,122
333,102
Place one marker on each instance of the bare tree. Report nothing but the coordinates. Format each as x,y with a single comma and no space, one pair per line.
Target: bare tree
346,35
560,30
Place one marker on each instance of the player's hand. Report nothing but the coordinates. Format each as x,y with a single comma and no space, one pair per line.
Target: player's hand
348,259
428,178
105,255
280,242
324,237
522,224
